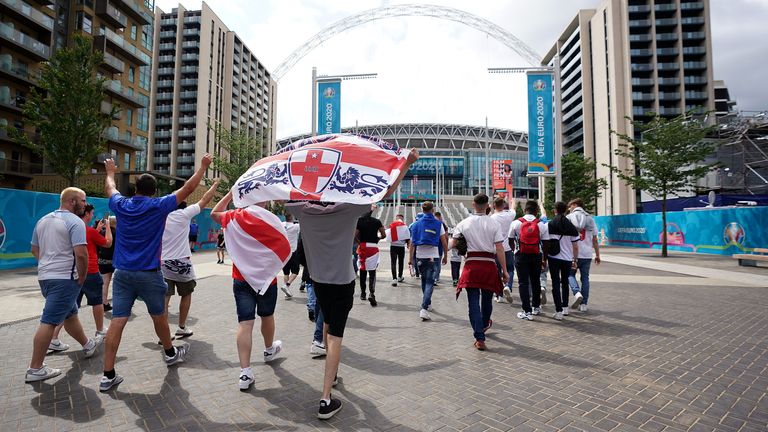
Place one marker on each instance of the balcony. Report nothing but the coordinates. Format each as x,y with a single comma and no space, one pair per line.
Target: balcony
666,22
167,34
695,65
694,35
695,80
190,57
113,63
106,108
163,134
640,52
189,69
190,44
642,67
639,38
639,9
161,147
125,139
188,95
13,104
188,82
168,22
116,89
668,66
669,96
666,37
163,121
162,160
32,47
640,23
692,21
694,50
187,133
692,6
164,109
28,14
636,96
670,111
166,58
694,95
125,47
667,52
185,146
640,111
110,14
185,159
191,19
669,81
17,72
642,81
165,96
185,172
166,71
19,168
136,11
167,46
666,7
187,107
165,83
191,32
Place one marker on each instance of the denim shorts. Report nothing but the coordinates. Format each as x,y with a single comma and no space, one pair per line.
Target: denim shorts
91,290
60,300
249,303
129,285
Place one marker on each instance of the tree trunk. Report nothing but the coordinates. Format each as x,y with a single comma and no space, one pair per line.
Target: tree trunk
664,226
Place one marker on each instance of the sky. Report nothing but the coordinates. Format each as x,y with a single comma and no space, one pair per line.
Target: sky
435,71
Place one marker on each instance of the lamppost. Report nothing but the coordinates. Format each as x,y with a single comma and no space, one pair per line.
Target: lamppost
558,116
325,78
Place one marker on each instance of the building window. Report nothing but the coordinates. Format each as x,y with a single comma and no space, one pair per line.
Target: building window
131,73
83,22
142,120
114,154
146,37
126,161
133,31
145,77
129,117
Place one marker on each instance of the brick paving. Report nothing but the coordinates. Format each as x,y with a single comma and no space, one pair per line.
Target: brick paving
645,357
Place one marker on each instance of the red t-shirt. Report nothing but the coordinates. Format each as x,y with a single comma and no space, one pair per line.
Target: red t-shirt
94,239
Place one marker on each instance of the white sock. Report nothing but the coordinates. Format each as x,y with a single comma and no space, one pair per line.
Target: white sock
246,371
327,401
89,344
55,341
271,349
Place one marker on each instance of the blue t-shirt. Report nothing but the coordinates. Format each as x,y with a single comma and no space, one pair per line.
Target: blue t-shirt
193,229
140,226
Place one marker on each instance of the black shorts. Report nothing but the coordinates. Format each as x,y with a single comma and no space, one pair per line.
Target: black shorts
292,266
193,237
105,266
335,302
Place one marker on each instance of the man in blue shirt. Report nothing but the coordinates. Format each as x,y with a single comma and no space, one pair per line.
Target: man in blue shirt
140,225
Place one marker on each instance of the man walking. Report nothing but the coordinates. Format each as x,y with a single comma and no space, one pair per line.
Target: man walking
399,237
291,268
480,277
368,232
178,271
561,247
427,235
59,244
194,229
92,288
525,234
502,216
588,245
140,225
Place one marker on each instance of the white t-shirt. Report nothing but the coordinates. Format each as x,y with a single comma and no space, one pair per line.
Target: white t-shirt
504,219
587,231
566,244
481,232
292,231
56,234
429,251
516,225
176,233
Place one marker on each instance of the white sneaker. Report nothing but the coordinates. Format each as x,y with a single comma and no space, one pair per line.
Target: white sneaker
430,308
583,308
507,294
394,282
58,346
91,346
525,316
558,316
317,349
105,384
102,334
287,291
274,351
577,298
424,315
245,381
566,311
183,332
499,299
536,311
41,374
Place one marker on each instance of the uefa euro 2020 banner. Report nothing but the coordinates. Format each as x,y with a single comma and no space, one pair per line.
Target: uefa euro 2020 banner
541,145
720,231
328,107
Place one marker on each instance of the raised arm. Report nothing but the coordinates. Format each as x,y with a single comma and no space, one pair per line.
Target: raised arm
208,195
220,208
110,188
191,184
104,223
413,156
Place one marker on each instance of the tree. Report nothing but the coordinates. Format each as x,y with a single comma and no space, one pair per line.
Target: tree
67,113
578,182
667,158
238,151
519,210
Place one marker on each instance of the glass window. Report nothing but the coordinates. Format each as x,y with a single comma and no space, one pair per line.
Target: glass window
133,31
142,120
129,117
145,77
131,74
146,37
126,161
83,22
114,154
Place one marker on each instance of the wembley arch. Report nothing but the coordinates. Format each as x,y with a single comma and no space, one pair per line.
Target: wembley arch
409,10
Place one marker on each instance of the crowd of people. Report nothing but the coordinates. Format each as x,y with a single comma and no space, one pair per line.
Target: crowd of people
144,249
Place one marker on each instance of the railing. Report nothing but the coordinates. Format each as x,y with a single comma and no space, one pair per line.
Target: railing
695,80
666,7
694,50
113,61
190,44
125,45
165,121
695,95
189,82
188,95
187,133
639,38
104,8
163,160
161,147
669,81
187,120
640,23
666,51
185,159
31,44
692,21
692,6
668,66
666,22
639,8
20,71
186,146
125,92
695,65
669,96
166,58
163,134
30,12
18,167
167,46
188,107
184,172
694,35
165,96
165,71
190,57
164,108
168,34
189,69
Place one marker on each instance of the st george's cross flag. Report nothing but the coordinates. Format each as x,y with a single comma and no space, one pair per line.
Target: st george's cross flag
257,243
398,232
343,168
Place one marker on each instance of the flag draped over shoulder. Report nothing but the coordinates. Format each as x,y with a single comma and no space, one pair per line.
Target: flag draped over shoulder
257,243
337,168
398,231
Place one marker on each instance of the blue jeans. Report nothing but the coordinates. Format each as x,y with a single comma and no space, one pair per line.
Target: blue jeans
249,303
480,309
129,285
60,300
583,265
427,268
315,307
439,268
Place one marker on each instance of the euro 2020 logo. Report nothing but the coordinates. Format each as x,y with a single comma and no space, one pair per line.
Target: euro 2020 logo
2,234
539,85
329,92
734,234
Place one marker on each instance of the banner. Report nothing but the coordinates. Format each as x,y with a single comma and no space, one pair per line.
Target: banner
502,174
336,168
720,231
427,166
541,145
328,107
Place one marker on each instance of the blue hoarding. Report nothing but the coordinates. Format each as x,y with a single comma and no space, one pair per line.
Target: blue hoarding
723,231
328,107
541,146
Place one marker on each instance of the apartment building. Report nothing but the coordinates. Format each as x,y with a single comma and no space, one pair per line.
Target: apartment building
630,58
30,31
205,77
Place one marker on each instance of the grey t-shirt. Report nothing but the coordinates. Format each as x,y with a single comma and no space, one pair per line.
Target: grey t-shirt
327,233
56,234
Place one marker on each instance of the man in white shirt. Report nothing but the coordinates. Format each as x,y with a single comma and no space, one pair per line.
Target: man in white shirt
291,268
561,247
480,277
588,245
504,217
526,233
178,272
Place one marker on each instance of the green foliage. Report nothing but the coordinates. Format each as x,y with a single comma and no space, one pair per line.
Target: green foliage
519,210
578,182
238,151
666,159
68,111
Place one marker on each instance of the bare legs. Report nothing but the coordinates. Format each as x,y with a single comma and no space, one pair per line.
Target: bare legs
44,334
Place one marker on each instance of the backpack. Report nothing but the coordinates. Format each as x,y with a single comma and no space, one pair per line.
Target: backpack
553,248
530,236
461,245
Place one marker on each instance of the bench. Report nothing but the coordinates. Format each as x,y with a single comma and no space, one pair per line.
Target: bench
750,260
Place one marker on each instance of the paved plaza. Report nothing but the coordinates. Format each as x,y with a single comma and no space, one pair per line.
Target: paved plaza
662,348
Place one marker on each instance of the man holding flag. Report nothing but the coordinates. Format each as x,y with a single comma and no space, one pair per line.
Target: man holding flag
399,237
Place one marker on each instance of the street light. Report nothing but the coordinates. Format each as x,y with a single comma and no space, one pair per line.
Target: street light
555,70
322,78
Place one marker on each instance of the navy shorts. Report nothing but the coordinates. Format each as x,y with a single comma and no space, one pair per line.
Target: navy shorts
91,290
249,303
128,285
60,300
335,302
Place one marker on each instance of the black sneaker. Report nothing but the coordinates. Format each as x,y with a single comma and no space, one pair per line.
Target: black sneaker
372,299
311,315
107,307
363,297
327,411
